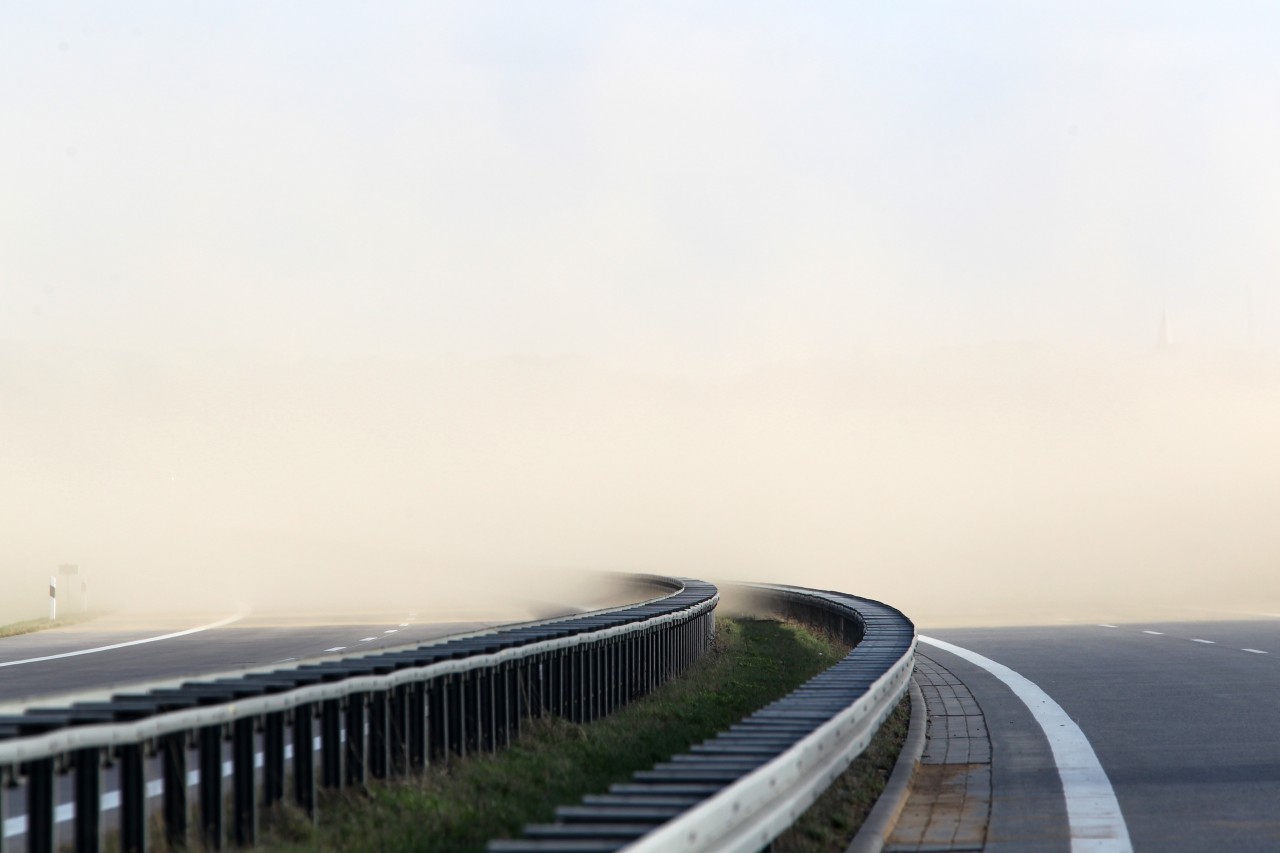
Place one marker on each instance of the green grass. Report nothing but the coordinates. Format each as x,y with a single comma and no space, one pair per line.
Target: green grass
830,823
460,806
30,626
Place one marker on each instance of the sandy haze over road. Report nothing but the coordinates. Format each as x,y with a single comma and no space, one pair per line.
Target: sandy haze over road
344,306
998,484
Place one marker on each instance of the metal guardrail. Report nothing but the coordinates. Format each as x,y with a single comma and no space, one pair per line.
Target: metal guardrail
379,715
741,789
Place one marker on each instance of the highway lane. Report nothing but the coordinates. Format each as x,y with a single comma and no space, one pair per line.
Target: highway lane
1184,718
122,650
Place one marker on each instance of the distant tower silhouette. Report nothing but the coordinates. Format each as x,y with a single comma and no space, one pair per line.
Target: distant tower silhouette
1166,337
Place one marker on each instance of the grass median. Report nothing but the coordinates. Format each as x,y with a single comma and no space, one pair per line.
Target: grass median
30,626
461,805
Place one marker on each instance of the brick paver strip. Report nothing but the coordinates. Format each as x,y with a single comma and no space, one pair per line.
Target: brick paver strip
950,801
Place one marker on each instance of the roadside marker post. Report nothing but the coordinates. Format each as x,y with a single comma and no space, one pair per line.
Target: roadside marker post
53,598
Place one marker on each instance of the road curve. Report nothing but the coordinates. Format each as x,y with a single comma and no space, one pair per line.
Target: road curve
1183,717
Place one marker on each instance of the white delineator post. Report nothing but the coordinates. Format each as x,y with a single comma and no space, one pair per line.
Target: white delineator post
53,597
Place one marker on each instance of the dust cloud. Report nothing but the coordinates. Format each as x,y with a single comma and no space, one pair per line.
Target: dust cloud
448,305
987,484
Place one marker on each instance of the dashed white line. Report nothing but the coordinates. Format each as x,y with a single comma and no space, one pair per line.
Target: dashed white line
1207,642
1157,633
1093,813
1254,651
391,630
1105,625
404,624
285,660
336,649
367,639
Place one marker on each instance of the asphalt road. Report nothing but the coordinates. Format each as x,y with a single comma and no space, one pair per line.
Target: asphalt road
1183,717
122,650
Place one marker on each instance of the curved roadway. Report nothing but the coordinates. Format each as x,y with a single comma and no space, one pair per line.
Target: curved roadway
1184,719
114,651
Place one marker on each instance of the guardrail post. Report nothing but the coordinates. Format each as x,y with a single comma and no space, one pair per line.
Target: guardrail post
457,698
484,709
356,765
471,710
245,804
173,759
304,759
331,743
488,678
517,683
498,699
133,797
538,686
40,805
437,720
557,682
88,793
610,674
211,786
417,710
379,751
578,684
592,675
655,659
272,758
401,731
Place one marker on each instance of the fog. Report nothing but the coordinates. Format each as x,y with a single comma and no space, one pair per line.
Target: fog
976,311
961,485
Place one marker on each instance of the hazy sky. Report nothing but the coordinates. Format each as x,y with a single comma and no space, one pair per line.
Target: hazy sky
697,184
863,295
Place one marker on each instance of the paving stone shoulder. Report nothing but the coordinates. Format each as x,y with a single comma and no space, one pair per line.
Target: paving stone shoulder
949,807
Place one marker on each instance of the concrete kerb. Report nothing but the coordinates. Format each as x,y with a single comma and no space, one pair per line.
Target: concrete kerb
884,815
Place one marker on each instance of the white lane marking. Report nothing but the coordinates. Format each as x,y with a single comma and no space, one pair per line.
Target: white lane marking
336,649
1093,814
404,624
1207,642
367,639
1254,651
1105,625
391,630
236,618
1157,633
285,660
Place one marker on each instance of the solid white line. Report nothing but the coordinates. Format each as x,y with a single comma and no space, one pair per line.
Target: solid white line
1157,633
1254,651
1093,813
1207,642
236,618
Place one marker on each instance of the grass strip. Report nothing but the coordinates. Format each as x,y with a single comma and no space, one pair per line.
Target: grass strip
30,626
461,805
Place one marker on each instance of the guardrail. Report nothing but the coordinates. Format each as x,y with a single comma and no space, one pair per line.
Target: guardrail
379,715
740,790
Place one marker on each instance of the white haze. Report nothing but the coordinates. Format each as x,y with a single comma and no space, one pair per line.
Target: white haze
322,305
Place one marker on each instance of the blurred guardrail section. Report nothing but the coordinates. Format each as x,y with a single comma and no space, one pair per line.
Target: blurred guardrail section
332,724
744,787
